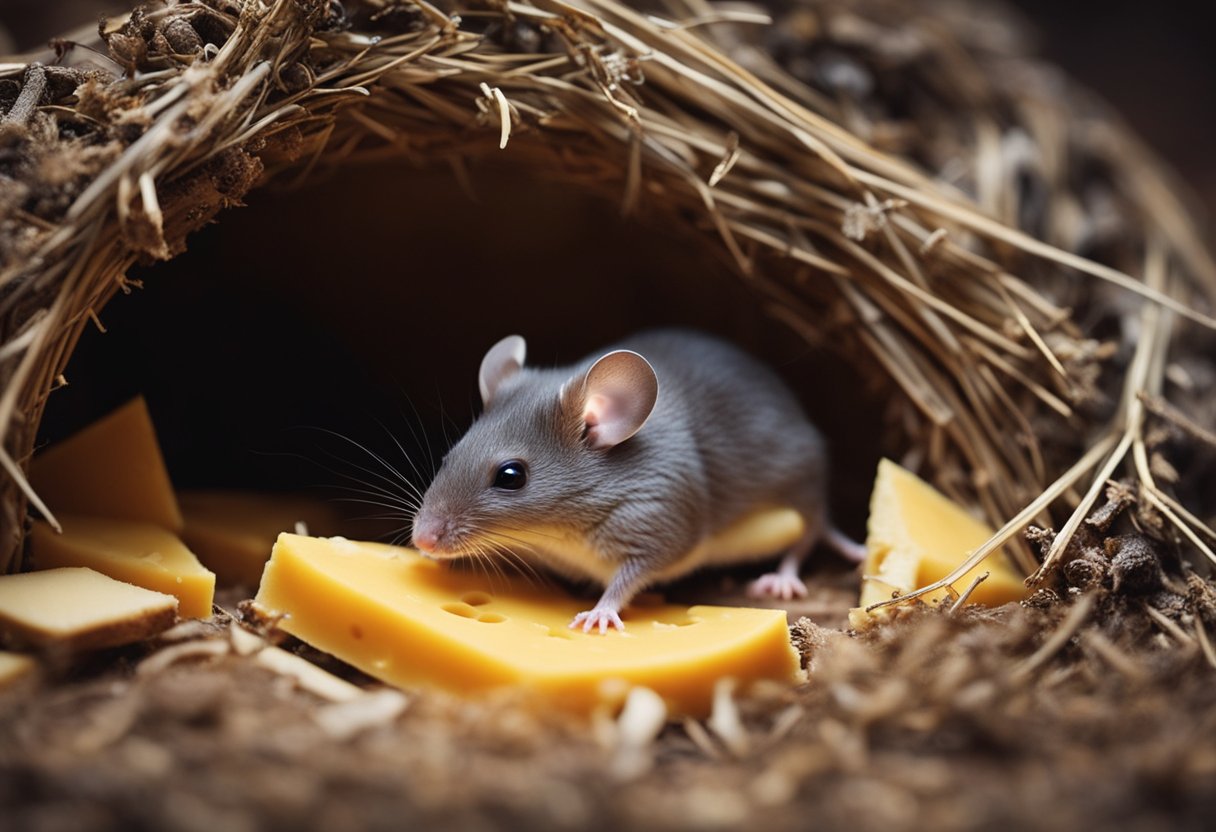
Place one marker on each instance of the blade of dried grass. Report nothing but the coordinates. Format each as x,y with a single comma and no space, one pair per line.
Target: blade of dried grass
1017,523
1063,634
969,218
1154,336
1205,643
1164,622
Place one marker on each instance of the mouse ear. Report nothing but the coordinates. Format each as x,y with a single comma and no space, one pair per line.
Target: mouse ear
504,360
619,392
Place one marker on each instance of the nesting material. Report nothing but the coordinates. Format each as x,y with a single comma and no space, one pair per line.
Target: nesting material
80,609
307,676
138,553
112,468
232,532
348,718
642,718
917,536
410,621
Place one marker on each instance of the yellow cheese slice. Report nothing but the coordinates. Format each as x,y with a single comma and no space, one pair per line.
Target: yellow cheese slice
763,533
232,532
14,666
138,553
410,622
917,536
112,468
80,609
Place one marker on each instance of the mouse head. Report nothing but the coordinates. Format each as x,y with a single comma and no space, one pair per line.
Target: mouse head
539,456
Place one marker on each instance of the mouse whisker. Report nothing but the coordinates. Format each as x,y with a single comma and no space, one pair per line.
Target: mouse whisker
379,488
533,531
487,562
404,455
420,436
395,482
357,485
402,536
405,500
518,561
376,498
507,554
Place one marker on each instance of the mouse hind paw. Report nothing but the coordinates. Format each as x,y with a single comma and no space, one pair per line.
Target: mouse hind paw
597,618
781,585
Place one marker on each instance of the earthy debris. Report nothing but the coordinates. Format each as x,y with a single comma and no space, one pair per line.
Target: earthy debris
1134,565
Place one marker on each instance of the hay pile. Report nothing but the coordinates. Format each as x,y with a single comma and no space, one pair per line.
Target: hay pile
899,181
949,723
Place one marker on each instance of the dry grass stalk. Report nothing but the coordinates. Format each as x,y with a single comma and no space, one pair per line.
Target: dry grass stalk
918,255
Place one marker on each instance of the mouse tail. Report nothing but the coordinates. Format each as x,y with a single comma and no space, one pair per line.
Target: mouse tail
844,545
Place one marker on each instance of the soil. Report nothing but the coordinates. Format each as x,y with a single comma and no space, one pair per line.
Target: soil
1005,718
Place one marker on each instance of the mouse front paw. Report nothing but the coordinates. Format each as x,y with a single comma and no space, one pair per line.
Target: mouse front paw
597,618
777,585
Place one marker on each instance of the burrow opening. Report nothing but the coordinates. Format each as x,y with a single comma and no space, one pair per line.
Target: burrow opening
354,310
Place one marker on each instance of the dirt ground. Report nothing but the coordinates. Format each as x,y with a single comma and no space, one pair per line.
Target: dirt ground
1052,715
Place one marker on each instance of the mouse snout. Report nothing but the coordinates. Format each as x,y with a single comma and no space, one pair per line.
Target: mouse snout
429,532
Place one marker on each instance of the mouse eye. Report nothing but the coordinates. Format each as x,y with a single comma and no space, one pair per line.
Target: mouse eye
511,475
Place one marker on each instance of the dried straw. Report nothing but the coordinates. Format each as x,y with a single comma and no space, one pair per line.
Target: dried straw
938,243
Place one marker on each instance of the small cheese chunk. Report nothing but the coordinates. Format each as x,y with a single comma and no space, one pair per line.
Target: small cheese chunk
112,468
757,535
138,553
917,536
80,609
14,667
410,621
232,532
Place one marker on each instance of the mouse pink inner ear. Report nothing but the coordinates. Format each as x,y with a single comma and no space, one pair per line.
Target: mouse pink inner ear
504,360
618,394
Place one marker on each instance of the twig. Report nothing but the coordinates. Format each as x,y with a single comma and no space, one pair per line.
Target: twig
27,100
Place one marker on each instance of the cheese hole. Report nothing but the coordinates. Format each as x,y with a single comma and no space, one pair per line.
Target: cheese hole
462,609
877,559
491,618
674,618
476,599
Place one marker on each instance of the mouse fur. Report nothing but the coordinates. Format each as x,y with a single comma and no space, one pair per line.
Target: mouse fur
724,438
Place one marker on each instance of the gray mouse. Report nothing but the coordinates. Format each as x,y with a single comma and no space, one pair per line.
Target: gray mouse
618,468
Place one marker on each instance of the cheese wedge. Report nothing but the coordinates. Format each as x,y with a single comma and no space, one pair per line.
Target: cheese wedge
14,667
410,621
917,536
112,468
80,609
763,533
137,553
232,532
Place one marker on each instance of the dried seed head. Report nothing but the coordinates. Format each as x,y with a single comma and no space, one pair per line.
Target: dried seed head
181,37
1089,571
1119,495
1201,596
1040,538
1042,599
1135,567
1169,603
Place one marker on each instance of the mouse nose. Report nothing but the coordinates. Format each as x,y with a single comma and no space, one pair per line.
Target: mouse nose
428,532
